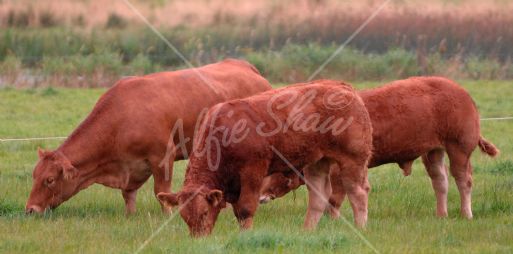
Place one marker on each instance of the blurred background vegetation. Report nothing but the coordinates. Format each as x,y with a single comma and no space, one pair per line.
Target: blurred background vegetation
91,43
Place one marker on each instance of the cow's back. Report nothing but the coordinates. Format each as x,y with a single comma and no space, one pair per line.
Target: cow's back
190,90
140,112
271,119
416,115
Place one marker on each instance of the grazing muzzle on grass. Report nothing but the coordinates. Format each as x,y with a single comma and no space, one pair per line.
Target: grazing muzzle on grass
55,180
198,209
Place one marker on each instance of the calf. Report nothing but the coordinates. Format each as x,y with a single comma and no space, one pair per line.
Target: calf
417,117
304,126
137,129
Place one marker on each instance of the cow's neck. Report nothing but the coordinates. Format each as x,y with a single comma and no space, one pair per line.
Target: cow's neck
90,157
198,174
81,152
86,148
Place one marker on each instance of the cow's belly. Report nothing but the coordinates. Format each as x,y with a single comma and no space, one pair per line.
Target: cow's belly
375,161
138,173
299,158
400,154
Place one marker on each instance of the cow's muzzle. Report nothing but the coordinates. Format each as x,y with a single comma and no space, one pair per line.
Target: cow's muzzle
266,198
33,209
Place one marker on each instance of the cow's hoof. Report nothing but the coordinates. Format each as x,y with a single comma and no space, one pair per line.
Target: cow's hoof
467,215
441,215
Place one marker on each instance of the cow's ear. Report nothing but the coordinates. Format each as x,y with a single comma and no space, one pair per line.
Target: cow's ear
168,199
215,197
68,170
40,152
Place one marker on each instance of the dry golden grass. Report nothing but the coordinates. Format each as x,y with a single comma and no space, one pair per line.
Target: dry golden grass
195,13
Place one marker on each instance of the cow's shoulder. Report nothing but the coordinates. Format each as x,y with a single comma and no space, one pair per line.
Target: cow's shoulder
133,82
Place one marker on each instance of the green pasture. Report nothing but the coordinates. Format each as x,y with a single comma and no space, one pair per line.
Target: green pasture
401,209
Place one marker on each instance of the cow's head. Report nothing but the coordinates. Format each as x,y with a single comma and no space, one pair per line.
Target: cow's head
198,209
54,181
278,184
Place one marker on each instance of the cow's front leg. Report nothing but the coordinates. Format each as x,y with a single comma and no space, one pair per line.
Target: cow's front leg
129,196
162,171
244,215
247,205
251,181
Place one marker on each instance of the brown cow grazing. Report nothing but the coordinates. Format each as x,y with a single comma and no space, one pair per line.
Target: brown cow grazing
417,117
305,126
127,137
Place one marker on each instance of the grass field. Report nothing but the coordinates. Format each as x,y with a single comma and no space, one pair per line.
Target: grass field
401,209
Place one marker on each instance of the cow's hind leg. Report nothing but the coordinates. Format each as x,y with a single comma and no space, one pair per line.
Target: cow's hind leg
434,163
461,170
338,193
353,175
317,180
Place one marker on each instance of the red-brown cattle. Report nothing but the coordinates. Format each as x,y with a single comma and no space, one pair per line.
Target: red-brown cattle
127,137
242,141
417,117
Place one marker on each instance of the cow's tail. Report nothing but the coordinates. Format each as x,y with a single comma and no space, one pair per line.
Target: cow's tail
487,147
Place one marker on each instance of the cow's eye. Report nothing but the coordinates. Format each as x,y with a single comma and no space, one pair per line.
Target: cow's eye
49,181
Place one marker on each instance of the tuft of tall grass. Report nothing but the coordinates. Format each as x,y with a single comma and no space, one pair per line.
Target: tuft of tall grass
19,19
47,19
295,63
284,50
115,21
